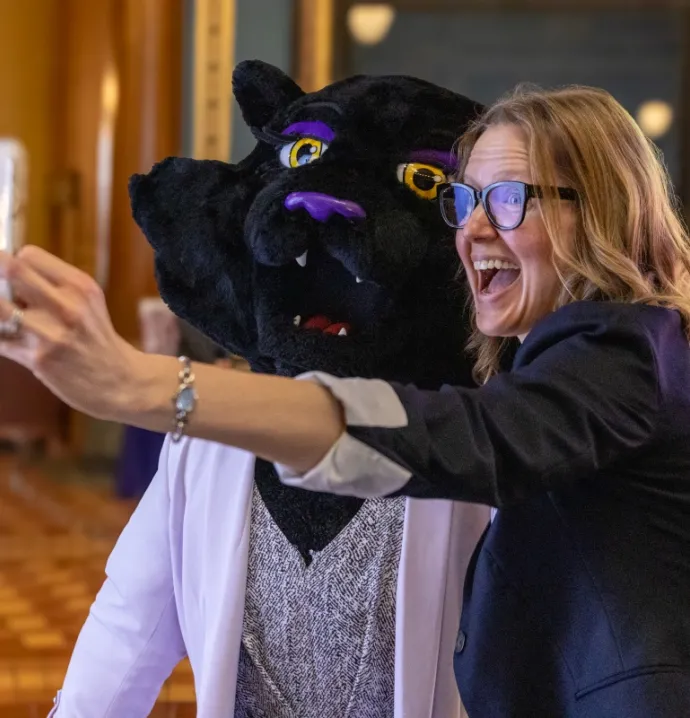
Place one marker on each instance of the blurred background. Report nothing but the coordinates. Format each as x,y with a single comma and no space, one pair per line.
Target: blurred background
99,89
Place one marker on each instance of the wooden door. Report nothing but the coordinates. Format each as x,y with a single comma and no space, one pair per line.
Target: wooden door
94,91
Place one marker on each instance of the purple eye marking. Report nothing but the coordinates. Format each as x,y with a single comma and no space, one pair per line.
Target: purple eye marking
316,129
446,160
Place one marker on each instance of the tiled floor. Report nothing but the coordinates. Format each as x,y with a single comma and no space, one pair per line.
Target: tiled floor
57,527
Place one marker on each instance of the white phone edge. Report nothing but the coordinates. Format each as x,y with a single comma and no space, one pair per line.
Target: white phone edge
14,171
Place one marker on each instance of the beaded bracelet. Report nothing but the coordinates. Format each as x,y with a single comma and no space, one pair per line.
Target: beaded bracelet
185,398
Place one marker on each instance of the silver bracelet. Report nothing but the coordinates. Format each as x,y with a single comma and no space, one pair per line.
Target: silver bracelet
185,398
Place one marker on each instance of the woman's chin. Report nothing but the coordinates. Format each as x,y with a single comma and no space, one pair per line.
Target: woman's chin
507,324
494,327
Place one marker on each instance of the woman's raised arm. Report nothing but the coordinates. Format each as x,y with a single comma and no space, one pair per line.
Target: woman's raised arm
68,341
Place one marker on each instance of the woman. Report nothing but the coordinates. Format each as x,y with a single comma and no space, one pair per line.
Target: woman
576,603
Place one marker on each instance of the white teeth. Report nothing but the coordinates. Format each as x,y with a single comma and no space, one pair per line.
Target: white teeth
342,332
494,264
302,260
297,320
359,280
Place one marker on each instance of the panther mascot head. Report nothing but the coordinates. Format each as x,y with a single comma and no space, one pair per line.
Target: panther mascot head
324,249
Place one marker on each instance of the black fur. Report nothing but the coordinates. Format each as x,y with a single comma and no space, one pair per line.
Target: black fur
225,249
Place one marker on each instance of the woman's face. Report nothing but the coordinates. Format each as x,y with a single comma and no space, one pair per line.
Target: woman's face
510,301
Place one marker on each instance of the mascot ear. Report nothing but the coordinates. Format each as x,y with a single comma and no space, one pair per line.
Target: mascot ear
261,90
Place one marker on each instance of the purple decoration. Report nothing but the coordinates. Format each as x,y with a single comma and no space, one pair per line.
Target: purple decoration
138,462
447,160
322,206
318,130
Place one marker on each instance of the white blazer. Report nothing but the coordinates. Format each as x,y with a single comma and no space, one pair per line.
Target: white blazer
176,582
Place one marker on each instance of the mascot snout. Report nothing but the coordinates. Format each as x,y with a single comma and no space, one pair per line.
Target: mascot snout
322,207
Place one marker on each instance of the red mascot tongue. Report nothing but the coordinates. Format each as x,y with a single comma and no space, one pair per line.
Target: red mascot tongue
326,325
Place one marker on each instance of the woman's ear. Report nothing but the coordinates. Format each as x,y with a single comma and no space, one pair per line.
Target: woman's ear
261,91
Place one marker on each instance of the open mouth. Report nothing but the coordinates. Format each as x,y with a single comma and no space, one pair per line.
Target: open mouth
326,299
325,325
495,275
321,322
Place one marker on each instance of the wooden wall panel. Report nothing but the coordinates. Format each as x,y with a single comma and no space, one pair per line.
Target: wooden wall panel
148,55
119,111
82,189
93,88
214,52
29,109
29,44
314,35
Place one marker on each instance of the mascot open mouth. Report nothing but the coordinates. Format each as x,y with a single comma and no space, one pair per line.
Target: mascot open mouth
326,299
321,207
324,324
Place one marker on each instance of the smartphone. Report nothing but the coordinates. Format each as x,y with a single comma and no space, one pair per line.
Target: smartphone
13,193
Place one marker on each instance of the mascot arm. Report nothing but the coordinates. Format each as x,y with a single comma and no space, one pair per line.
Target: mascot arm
131,640
580,398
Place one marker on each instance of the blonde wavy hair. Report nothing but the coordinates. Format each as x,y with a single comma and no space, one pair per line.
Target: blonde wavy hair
631,244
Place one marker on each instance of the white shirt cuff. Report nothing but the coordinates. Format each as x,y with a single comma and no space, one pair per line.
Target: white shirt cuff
351,468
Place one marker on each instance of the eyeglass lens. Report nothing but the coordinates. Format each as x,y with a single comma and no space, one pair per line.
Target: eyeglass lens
504,204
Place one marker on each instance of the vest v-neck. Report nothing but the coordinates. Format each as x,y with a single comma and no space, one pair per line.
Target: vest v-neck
320,639
309,520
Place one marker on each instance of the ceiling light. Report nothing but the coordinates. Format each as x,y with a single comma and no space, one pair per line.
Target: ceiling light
655,118
369,23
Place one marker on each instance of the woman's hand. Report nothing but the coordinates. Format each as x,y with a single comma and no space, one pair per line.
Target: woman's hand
67,340
66,336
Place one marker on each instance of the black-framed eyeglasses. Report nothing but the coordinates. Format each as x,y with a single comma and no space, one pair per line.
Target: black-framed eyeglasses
505,203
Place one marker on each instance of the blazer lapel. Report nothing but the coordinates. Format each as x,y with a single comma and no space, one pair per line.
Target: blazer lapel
438,541
228,554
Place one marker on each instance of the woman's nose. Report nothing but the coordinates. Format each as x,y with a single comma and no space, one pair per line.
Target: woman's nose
478,227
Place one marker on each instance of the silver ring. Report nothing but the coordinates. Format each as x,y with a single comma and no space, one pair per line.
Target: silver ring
13,326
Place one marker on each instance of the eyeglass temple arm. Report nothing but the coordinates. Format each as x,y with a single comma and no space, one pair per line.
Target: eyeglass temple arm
563,192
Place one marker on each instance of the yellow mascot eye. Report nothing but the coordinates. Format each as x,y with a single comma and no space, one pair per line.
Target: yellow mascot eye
422,179
302,152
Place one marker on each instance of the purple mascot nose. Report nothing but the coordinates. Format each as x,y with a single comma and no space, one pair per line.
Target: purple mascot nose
322,206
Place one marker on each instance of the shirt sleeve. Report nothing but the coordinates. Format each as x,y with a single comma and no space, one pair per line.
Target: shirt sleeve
131,640
581,397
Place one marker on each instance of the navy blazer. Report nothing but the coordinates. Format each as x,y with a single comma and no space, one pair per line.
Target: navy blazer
577,601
